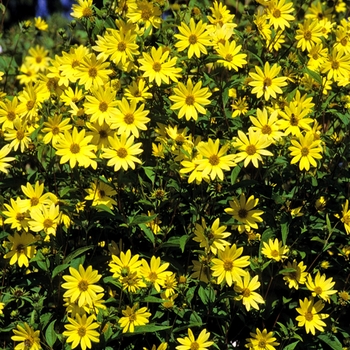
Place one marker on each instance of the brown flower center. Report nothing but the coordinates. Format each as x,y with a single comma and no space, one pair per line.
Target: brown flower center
87,12
344,41
121,46
30,105
214,160
146,14
190,100
34,201
267,82
75,63
129,118
75,148
83,285
55,130
318,290
294,121
103,134
122,153
228,57
228,265
153,276
246,293
47,223
101,193
194,346
251,149
20,248
276,13
92,72
266,130
11,115
103,106
157,66
38,59
81,331
242,213
20,135
20,216
335,65
307,35
304,151
274,253
192,39
309,316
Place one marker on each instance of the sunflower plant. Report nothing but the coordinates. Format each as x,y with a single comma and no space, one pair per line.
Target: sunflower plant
176,176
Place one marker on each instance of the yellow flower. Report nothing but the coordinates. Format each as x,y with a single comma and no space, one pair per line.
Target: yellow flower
124,265
9,112
133,317
308,35
190,99
212,239
246,286
100,134
137,91
100,193
229,265
36,198
28,338
18,137
22,248
40,24
122,152
242,210
345,218
155,272
240,107
4,161
2,306
145,13
82,331
214,159
221,15
17,214
157,67
337,65
278,13
297,276
195,37
231,56
305,151
252,148
54,128
76,149
162,346
310,316
274,250
321,286
265,82
190,342
83,9
37,58
81,287
261,341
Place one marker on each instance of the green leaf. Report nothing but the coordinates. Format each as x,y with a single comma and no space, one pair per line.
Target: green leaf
148,232
141,219
284,228
50,334
315,76
59,269
149,328
183,241
291,346
331,340
287,270
149,173
234,174
76,253
103,207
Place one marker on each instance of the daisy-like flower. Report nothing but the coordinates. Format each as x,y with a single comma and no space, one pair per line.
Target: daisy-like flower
155,273
40,24
76,149
16,214
231,56
129,119
337,65
36,196
211,238
137,91
100,193
22,248
310,316
215,159
240,107
93,72
28,338
252,148
145,13
4,160
267,125
296,277
195,37
157,66
279,13
190,342
229,264
246,287
80,285
124,265
308,35
345,216
9,112
320,286
242,210
265,82
274,250
261,340
100,134
18,137
82,331
38,58
305,151
122,152
190,99
221,15
201,269
132,317
102,105
83,9
54,128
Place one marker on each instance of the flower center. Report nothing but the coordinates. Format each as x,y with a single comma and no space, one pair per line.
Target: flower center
180,139
251,149
20,216
47,223
121,46
192,39
190,100
92,72
122,153
214,159
38,59
315,56
267,82
262,344
276,13
101,193
152,276
274,253
246,293
335,65
132,318
20,135
20,249
103,134
75,63
346,219
103,106
83,285
129,118
74,148
307,35
229,57
266,129
146,14
294,121
344,41
87,12
28,343
30,105
11,115
309,316
242,213
157,66
228,265
194,346
55,130
318,290
304,151
34,201
81,331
